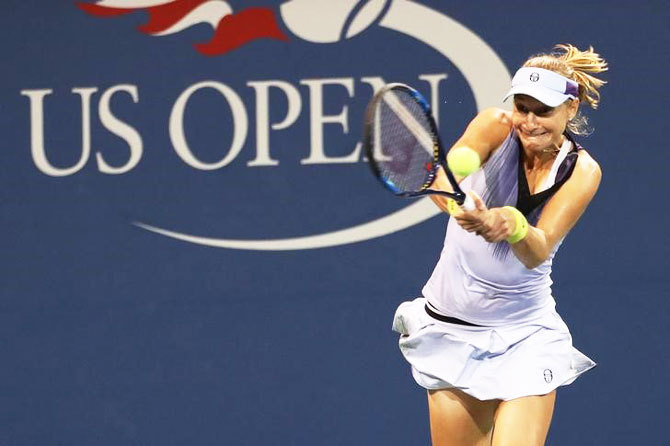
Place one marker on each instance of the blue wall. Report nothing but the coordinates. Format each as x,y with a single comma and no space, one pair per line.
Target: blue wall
111,334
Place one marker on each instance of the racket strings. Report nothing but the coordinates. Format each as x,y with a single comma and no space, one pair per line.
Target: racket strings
406,144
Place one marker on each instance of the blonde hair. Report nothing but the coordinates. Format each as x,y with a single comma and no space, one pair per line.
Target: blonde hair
569,61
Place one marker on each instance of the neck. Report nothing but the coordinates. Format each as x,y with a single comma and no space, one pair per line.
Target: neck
535,159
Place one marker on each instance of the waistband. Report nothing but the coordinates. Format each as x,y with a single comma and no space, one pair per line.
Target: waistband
448,319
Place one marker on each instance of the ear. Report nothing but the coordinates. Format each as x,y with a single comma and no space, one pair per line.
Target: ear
573,108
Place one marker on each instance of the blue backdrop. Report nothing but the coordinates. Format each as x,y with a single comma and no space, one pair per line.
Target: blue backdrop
194,252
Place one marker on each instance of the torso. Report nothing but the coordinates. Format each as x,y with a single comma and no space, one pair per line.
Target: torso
485,283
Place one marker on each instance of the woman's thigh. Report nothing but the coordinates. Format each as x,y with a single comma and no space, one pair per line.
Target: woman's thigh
523,421
457,419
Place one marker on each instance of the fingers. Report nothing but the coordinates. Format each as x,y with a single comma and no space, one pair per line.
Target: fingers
488,234
489,224
494,236
467,222
478,229
471,225
499,228
479,203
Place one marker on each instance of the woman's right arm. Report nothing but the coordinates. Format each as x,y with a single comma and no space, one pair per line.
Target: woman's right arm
485,133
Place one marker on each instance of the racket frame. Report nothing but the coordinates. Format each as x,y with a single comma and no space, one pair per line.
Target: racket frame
439,157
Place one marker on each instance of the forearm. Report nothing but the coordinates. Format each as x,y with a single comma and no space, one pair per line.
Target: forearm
445,204
530,245
533,249
441,183
533,245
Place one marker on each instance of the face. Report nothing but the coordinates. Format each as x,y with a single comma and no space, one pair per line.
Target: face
540,127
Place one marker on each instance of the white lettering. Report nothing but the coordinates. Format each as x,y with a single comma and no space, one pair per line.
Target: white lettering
317,153
240,121
264,122
37,131
263,117
434,82
377,83
120,129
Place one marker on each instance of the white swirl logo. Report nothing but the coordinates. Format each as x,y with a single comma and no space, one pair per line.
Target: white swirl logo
325,21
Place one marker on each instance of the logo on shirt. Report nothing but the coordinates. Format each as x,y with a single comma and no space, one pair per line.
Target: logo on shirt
548,376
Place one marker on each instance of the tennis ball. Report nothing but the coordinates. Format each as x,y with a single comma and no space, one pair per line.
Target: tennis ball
463,161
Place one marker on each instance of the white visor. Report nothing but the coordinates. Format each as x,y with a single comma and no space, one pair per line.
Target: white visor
548,87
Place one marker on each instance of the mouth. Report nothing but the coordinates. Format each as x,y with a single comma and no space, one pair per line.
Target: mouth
534,133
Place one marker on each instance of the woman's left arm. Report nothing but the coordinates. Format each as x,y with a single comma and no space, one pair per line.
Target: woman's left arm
559,215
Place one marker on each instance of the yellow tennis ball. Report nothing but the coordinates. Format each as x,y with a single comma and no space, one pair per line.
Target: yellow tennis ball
463,161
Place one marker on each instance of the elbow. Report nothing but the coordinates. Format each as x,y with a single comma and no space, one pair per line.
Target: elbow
535,249
532,264
534,260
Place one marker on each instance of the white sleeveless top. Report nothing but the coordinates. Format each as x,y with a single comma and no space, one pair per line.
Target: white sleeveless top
484,283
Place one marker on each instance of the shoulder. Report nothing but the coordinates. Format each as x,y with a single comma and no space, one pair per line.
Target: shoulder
487,131
587,170
567,205
583,182
494,118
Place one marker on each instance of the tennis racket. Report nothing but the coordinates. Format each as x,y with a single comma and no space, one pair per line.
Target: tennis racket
403,146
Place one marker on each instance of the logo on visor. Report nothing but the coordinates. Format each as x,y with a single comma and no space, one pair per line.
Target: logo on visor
534,77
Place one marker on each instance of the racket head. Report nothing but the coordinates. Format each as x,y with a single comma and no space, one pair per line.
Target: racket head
402,143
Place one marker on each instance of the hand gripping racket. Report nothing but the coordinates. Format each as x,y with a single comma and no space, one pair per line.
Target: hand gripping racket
403,147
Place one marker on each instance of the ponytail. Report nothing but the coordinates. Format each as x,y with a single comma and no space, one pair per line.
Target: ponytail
580,66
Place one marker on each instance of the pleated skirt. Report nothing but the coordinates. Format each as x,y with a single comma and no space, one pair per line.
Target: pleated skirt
508,362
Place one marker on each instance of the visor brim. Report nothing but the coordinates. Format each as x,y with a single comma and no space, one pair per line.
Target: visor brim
544,95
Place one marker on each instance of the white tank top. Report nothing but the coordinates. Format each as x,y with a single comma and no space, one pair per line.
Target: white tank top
484,283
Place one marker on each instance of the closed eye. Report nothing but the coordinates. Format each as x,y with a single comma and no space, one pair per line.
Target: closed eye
539,111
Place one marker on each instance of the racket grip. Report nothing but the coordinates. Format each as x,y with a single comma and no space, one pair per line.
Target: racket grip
468,204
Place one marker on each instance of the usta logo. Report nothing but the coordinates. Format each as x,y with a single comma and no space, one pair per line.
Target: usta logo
317,21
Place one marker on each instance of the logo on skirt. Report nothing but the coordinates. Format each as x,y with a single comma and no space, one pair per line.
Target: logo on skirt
548,376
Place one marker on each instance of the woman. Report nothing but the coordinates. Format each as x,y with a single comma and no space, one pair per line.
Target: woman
485,339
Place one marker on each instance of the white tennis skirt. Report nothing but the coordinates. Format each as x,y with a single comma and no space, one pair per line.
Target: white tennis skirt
504,363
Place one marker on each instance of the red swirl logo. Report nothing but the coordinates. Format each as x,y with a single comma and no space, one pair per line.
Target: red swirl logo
231,30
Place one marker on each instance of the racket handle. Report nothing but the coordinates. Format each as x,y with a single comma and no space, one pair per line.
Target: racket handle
469,204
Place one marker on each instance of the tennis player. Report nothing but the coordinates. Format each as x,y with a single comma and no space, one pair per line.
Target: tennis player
485,338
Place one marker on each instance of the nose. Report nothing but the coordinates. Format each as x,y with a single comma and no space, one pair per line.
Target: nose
531,118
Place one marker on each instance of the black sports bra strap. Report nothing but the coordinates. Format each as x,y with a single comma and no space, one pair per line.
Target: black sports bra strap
527,202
